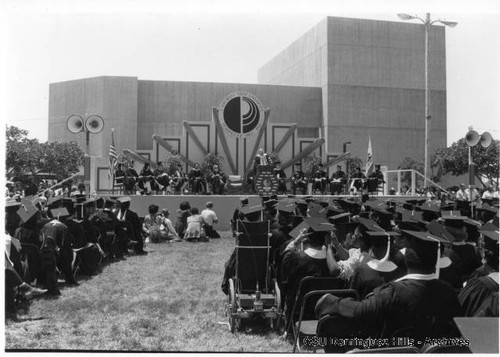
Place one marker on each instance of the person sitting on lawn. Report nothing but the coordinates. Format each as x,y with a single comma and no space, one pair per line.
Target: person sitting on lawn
169,228
152,226
195,226
210,219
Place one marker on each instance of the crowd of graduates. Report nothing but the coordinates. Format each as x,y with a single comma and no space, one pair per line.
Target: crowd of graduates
416,264
62,237
54,237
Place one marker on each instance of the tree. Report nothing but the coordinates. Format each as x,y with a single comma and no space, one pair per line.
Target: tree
28,156
353,162
311,164
455,160
61,159
209,161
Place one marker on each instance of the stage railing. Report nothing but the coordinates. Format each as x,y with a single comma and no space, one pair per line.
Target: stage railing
413,185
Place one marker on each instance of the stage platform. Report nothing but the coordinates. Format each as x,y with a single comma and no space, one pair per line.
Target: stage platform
224,205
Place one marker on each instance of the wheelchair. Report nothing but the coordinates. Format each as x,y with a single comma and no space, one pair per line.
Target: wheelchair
253,291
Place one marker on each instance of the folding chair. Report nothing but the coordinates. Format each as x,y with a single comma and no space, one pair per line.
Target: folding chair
234,184
253,291
306,284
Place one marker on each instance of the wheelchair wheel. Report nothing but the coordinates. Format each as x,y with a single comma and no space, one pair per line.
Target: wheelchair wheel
276,323
234,321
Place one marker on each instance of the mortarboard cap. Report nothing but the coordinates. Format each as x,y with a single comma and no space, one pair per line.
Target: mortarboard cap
55,202
244,200
286,207
27,210
85,209
451,218
490,240
489,227
369,224
124,199
437,229
11,202
340,218
251,212
314,209
59,212
425,237
294,233
382,238
319,224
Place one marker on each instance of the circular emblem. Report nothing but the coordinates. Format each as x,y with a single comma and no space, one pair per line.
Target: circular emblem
241,114
266,183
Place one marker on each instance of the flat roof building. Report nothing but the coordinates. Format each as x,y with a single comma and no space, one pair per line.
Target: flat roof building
343,80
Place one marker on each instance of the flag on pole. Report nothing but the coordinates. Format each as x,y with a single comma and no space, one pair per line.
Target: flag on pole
369,158
113,156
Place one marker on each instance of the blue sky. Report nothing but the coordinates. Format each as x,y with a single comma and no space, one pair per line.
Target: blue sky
220,41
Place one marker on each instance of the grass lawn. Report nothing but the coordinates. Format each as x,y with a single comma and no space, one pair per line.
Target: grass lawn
169,300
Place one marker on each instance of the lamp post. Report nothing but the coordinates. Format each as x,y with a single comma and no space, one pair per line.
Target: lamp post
427,24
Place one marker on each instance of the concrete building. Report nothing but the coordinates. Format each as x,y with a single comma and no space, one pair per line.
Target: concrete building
342,80
371,74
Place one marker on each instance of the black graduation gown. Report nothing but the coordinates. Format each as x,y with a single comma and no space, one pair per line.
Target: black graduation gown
366,279
475,292
402,304
469,260
451,274
489,308
295,266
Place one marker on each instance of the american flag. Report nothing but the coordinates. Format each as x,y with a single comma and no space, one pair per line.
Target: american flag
369,157
113,156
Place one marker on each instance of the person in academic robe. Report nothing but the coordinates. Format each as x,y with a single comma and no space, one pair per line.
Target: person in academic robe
299,181
480,287
280,175
119,174
196,180
417,304
319,180
337,181
381,268
261,159
489,307
130,179
145,179
160,180
374,180
133,226
218,180
467,253
178,180
314,260
357,180
57,245
113,240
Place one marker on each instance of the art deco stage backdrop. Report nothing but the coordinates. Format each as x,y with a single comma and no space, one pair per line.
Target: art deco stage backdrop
341,81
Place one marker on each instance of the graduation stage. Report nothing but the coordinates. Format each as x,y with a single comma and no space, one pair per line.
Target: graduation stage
224,205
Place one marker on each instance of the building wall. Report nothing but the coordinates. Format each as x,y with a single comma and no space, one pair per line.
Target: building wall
138,109
374,85
113,98
163,106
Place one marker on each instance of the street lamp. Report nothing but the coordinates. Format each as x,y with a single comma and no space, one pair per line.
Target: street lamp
427,24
